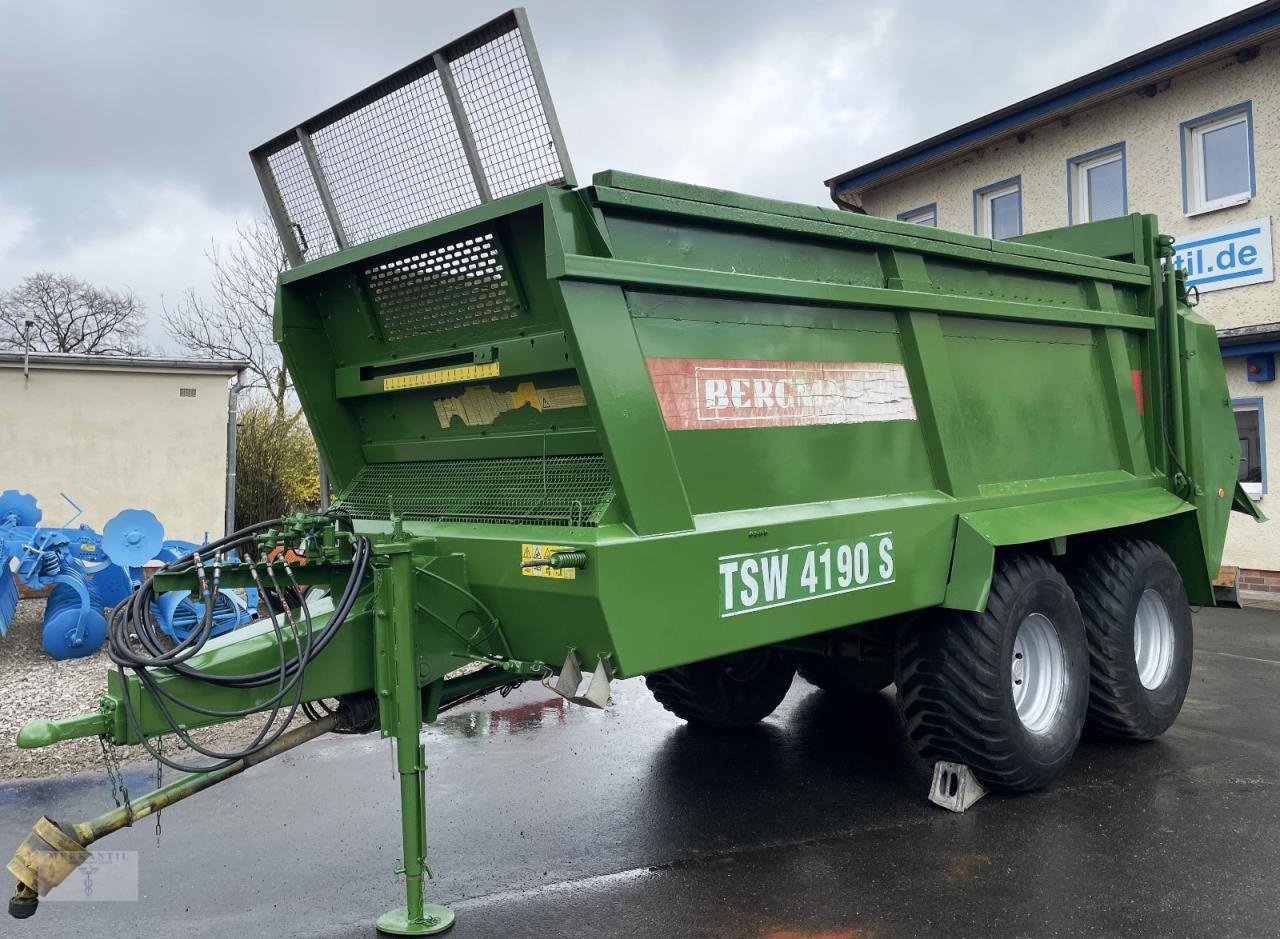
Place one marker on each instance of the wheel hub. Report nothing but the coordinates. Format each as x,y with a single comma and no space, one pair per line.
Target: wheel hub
1153,640
1038,672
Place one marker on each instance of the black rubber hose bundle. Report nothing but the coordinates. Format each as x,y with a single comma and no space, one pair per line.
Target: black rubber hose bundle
132,621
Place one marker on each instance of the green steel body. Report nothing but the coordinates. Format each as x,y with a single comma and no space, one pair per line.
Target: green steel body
1022,360
1059,384
1040,379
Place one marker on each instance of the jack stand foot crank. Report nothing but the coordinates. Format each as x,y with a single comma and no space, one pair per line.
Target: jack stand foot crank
435,919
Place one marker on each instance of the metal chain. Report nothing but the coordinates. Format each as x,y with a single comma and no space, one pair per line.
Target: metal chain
159,781
119,791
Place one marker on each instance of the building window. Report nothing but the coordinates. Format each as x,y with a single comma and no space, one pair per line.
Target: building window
1217,160
997,209
925,215
1096,186
1253,445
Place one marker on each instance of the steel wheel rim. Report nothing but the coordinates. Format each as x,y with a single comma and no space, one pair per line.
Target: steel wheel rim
1038,672
1153,640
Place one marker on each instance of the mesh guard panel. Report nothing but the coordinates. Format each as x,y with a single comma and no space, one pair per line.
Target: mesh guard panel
506,113
556,490
301,200
469,123
457,284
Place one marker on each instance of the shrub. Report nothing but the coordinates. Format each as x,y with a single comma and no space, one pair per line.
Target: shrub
276,464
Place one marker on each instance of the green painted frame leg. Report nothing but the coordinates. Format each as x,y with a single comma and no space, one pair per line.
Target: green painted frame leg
395,617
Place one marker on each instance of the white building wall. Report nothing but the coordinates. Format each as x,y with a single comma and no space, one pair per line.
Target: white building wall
113,439
1150,130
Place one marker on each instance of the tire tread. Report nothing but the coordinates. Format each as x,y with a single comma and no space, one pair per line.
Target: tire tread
1100,580
950,683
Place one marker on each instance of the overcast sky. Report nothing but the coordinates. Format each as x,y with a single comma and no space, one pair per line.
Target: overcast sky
125,124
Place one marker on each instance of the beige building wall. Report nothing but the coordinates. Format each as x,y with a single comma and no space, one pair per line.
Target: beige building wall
1150,130
116,438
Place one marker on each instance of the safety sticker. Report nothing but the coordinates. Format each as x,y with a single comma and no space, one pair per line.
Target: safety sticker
782,576
480,405
705,394
537,552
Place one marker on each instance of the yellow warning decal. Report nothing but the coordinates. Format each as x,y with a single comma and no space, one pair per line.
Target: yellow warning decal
533,552
441,376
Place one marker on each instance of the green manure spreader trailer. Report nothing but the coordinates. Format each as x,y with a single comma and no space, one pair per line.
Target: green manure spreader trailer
586,433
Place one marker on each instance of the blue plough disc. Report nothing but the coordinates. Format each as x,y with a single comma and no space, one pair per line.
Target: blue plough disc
19,508
133,537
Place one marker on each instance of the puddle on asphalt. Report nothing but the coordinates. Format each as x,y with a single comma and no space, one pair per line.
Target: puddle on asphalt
513,719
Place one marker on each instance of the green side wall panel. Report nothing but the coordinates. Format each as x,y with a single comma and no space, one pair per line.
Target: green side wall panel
806,419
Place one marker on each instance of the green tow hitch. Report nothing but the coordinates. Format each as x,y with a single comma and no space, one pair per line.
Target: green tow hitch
54,850
44,733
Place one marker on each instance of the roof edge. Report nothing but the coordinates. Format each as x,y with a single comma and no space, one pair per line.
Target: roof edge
124,363
1245,335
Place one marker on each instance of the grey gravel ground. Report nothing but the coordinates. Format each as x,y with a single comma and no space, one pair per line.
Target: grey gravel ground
34,684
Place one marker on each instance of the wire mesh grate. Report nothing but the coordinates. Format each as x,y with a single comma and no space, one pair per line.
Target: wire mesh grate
302,202
417,146
555,490
457,284
396,162
513,136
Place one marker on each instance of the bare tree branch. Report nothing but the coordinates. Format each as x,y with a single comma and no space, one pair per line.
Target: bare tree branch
70,315
234,321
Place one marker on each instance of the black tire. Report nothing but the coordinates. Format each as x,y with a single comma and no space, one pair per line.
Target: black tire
1110,583
956,681
846,676
731,691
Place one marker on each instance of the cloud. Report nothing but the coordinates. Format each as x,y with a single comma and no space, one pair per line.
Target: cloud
125,127
152,240
765,123
15,223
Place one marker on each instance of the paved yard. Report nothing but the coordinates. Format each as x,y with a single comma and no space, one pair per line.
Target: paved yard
554,821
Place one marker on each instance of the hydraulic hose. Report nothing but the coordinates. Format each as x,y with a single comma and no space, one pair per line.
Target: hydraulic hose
131,622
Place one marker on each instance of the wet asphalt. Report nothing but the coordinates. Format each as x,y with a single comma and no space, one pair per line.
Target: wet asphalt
549,820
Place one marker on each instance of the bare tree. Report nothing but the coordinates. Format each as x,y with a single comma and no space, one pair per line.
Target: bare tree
234,321
70,315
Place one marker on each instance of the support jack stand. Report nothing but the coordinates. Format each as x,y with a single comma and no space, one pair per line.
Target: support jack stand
401,714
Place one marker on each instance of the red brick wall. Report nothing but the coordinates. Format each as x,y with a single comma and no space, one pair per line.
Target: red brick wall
1265,581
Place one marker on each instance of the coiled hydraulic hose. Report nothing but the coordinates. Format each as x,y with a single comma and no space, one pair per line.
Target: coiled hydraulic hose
131,622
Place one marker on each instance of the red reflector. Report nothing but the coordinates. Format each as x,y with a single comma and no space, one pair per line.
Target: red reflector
1136,375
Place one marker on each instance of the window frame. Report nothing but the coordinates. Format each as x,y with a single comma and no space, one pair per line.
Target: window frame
984,196
1191,136
1255,490
1078,180
913,216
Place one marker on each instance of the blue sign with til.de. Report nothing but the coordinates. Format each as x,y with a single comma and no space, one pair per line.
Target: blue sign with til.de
1227,257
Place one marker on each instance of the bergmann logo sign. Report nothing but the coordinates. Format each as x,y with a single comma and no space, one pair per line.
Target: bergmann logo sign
1227,257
